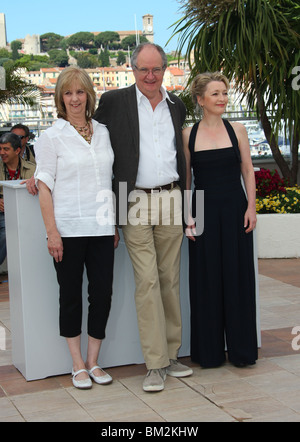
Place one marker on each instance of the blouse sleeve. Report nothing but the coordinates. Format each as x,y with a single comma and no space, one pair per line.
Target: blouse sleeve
46,160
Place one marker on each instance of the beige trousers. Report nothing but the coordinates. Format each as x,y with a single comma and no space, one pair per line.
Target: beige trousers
153,238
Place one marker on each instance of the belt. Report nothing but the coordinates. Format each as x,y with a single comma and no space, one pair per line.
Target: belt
160,188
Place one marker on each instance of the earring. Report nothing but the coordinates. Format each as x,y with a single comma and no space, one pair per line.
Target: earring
201,111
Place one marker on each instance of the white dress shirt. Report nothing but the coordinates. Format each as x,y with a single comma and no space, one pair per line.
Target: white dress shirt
157,163
79,176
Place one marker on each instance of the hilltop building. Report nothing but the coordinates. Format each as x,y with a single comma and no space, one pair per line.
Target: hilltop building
32,45
3,38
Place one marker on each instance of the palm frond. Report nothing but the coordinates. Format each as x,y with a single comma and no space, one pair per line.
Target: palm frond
17,89
256,43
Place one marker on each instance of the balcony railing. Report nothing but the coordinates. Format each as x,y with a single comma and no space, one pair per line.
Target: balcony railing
258,143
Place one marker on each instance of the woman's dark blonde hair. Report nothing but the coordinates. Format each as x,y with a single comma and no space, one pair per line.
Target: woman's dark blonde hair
201,81
65,80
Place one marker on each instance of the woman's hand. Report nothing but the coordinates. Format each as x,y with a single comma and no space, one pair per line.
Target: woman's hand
190,232
30,185
55,246
250,220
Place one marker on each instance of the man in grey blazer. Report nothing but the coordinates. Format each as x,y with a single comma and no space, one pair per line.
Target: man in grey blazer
145,123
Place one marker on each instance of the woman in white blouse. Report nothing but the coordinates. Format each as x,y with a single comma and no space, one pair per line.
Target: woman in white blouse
74,178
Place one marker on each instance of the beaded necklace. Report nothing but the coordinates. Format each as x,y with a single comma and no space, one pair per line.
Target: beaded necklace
85,131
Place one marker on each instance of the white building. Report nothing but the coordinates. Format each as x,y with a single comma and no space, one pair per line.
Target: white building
3,38
148,29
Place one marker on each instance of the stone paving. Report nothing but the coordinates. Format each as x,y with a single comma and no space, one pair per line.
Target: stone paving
266,392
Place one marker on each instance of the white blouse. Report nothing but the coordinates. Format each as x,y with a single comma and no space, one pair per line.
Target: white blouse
79,176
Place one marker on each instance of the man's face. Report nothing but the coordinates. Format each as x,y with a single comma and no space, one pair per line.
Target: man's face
22,135
7,153
149,72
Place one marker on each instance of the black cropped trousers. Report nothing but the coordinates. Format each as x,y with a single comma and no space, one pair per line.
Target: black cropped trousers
97,255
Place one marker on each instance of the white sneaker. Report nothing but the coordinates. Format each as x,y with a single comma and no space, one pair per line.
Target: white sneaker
154,380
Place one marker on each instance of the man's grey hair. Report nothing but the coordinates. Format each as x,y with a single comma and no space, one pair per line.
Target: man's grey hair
11,138
139,49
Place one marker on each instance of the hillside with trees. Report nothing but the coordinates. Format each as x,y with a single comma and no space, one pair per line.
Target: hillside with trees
89,50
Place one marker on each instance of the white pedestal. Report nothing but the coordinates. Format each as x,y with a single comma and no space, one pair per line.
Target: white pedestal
37,349
278,235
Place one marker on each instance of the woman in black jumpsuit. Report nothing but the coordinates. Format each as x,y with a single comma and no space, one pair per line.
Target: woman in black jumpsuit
222,276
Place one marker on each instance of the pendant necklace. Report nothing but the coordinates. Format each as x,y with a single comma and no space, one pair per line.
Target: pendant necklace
85,131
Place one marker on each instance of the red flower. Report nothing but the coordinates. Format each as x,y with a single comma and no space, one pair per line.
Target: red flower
269,182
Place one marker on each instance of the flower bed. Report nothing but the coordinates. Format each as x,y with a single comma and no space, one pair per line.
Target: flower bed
287,201
278,216
274,194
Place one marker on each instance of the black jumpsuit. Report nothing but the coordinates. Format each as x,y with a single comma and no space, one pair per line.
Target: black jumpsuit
222,275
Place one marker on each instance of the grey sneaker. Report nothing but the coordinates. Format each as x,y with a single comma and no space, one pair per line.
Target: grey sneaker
178,370
154,381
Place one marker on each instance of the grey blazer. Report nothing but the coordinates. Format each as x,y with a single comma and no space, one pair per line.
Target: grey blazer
118,111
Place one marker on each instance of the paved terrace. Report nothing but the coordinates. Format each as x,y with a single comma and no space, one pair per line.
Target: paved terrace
269,391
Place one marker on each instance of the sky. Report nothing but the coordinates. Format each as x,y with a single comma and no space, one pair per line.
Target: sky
67,17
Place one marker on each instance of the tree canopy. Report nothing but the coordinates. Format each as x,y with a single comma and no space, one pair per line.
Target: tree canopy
131,41
256,43
80,40
50,40
59,57
106,38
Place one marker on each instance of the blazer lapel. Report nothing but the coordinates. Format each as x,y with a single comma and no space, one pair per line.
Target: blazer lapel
132,112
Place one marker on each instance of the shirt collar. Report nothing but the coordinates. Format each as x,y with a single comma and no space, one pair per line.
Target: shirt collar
61,122
163,90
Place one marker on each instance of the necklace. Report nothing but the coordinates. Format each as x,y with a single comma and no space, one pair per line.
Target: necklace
85,131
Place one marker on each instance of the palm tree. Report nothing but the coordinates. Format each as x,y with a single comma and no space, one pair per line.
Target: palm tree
17,90
256,43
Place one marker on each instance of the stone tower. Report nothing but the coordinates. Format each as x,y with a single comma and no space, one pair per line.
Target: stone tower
148,30
32,44
3,39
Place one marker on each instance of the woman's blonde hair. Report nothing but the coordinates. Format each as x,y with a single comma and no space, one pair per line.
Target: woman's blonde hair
201,81
64,81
